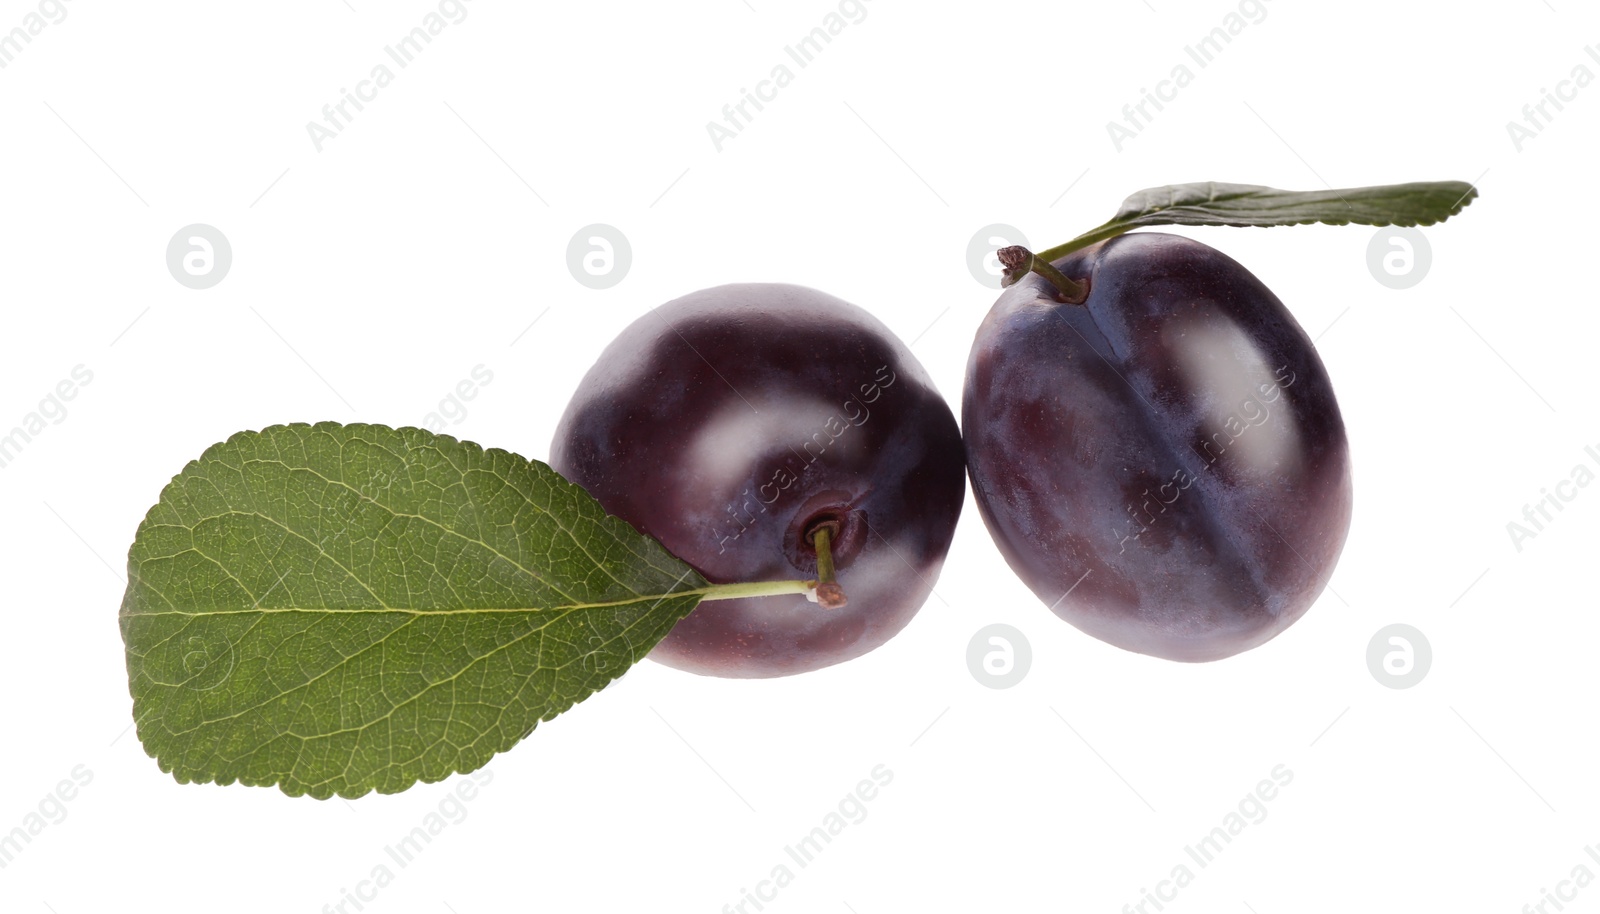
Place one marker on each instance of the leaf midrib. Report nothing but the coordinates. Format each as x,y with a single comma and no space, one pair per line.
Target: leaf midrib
379,610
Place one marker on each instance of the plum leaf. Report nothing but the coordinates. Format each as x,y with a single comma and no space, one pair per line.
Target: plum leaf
337,609
1211,203
1208,203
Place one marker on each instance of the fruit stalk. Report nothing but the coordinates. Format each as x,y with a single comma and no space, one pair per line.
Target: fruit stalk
756,589
1019,261
829,594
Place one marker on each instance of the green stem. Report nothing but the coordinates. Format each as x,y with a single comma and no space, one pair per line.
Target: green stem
1019,261
756,589
823,540
825,589
1094,236
829,594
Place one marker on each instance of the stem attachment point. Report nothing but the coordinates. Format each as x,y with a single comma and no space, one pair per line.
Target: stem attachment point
1019,262
829,594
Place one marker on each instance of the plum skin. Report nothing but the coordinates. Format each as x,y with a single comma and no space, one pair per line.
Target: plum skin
1165,466
727,423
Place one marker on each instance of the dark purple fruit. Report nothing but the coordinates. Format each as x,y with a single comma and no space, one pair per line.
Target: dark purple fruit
1164,465
732,423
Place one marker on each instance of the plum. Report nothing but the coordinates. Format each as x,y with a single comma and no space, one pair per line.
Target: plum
1164,465
733,425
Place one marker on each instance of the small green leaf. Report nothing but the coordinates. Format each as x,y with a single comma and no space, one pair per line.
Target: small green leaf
1421,203
337,609
1209,203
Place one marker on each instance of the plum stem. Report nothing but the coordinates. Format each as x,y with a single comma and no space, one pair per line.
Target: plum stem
1019,261
825,589
756,589
829,594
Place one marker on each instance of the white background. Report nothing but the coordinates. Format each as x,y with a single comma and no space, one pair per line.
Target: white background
372,276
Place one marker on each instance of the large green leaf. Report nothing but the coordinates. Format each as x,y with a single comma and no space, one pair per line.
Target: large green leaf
337,609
